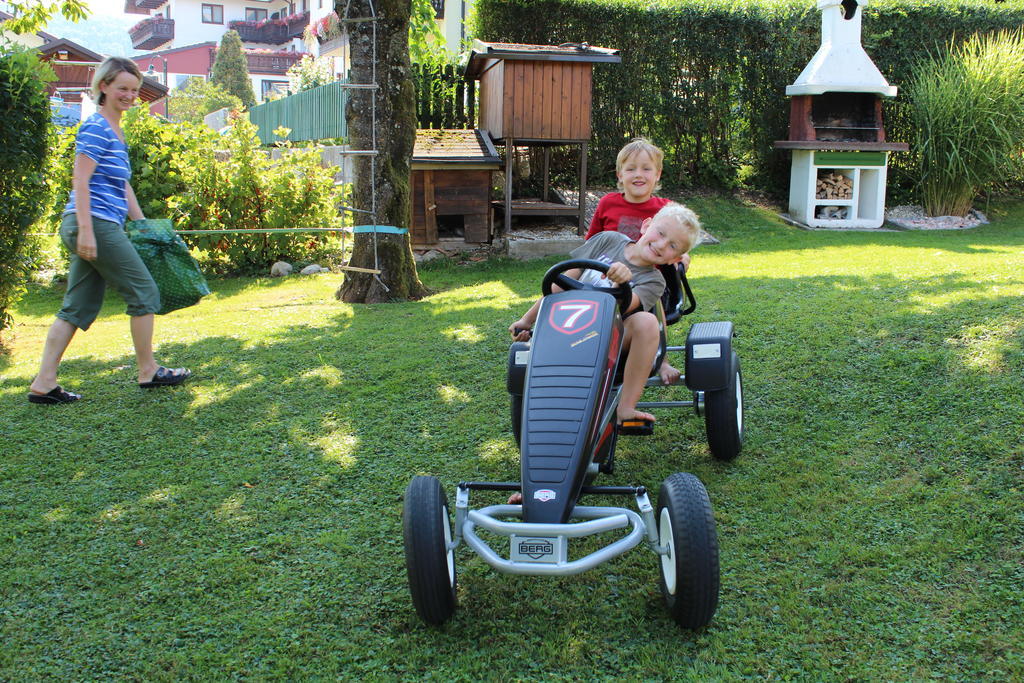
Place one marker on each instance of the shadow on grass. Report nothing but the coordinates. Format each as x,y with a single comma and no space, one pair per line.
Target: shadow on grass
249,522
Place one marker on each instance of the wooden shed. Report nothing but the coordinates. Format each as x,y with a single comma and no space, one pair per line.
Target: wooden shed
537,95
452,173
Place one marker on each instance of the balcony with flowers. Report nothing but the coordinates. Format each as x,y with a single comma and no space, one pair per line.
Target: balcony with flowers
268,31
151,33
297,24
275,62
326,31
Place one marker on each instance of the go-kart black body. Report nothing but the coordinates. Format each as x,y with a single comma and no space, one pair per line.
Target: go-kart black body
565,397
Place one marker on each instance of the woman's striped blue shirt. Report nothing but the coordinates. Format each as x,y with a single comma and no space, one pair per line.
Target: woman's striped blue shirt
108,198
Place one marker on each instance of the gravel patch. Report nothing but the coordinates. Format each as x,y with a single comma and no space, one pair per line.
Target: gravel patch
913,218
559,231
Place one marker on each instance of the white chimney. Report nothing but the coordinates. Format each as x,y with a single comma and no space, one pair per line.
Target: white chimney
840,64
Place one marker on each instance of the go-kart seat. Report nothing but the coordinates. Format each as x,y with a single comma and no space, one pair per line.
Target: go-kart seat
676,301
677,294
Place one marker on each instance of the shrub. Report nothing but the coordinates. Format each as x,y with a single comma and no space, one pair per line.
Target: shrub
242,188
204,181
25,112
60,161
231,71
156,149
42,251
968,110
310,72
198,98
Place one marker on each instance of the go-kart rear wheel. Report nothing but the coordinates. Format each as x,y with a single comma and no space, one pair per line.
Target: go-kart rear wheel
723,415
689,571
428,561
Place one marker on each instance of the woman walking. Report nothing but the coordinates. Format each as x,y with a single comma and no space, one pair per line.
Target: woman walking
93,231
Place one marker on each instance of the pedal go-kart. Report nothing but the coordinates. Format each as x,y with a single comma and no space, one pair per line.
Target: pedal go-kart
565,386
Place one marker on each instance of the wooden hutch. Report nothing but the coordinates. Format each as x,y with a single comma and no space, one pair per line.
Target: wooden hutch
537,95
452,174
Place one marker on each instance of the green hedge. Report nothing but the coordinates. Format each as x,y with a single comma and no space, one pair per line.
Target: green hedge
25,112
706,79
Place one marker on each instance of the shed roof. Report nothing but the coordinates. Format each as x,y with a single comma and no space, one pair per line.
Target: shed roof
454,146
566,52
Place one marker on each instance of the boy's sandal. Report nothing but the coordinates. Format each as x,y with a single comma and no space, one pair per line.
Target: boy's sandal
635,426
54,396
166,377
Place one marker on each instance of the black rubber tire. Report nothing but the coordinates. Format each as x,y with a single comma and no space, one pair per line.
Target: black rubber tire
430,565
689,573
517,416
723,415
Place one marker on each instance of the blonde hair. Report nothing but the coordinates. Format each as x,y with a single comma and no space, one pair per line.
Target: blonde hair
107,71
634,147
686,219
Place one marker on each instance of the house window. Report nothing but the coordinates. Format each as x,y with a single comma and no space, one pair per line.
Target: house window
213,14
254,14
278,88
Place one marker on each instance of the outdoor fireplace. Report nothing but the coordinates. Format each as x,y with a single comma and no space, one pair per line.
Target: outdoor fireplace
836,132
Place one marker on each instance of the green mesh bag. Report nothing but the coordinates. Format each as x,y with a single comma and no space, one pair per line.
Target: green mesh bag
165,254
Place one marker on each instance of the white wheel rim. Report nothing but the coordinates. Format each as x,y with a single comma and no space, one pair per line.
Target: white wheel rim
668,560
739,404
449,554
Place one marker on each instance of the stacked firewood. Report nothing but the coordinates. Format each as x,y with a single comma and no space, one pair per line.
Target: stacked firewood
834,185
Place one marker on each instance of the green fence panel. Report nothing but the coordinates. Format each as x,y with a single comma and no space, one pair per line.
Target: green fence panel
315,114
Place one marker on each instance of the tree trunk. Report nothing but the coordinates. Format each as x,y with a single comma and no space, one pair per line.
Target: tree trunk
382,185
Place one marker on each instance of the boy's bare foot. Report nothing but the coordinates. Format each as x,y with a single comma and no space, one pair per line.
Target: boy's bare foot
669,375
635,415
515,499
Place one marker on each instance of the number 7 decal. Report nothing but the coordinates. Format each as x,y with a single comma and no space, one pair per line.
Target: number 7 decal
573,316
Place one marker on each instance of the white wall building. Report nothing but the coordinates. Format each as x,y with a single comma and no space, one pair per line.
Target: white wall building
183,31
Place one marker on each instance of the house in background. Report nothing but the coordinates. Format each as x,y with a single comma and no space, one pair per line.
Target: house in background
75,66
186,34
176,66
451,19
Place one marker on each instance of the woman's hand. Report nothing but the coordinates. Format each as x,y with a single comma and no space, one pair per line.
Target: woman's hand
85,244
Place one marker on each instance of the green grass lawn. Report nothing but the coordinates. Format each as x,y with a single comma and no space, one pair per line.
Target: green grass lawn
248,524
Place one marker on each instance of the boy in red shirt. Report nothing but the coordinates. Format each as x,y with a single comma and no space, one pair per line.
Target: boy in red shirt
638,170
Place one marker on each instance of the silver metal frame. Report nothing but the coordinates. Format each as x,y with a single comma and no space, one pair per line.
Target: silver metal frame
601,519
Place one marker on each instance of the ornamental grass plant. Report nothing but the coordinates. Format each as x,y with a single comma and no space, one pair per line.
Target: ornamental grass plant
968,106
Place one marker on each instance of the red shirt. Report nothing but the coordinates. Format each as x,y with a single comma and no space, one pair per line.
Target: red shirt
615,213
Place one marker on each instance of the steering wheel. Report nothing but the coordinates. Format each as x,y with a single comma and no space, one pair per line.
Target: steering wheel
556,276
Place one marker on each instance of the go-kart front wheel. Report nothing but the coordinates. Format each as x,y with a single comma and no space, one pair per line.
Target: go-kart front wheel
428,561
689,571
723,415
